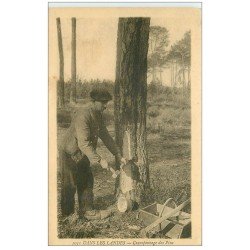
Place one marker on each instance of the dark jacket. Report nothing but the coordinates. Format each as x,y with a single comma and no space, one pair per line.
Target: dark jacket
86,126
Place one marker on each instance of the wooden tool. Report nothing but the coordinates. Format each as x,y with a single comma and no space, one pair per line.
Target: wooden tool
115,173
105,165
144,232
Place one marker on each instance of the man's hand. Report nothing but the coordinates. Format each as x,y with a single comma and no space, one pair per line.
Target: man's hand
120,159
123,161
104,164
95,160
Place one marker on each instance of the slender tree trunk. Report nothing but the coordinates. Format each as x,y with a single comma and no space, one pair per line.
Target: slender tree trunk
153,63
183,78
73,63
60,83
154,74
131,93
153,68
183,73
189,79
170,75
171,72
175,73
172,79
160,75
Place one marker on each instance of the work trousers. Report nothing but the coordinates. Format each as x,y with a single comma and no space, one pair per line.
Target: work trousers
76,177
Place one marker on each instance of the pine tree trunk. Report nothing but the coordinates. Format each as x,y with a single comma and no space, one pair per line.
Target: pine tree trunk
183,73
183,76
60,83
154,74
171,74
131,93
175,73
183,80
73,63
172,79
160,75
189,79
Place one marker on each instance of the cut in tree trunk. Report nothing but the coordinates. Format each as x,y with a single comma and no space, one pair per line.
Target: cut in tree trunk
131,93
60,83
73,63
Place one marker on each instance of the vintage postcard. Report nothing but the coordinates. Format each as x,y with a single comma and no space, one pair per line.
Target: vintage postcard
124,125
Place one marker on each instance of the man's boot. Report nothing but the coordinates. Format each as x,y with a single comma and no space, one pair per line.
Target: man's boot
97,214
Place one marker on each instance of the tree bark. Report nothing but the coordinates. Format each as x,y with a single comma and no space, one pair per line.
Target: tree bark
131,93
73,63
60,83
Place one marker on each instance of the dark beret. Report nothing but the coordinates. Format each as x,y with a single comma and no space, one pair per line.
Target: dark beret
100,94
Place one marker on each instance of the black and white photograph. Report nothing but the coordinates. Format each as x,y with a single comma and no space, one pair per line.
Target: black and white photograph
124,126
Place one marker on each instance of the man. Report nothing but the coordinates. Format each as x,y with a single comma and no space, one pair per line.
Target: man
78,154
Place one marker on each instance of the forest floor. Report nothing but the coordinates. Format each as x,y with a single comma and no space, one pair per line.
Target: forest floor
169,154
